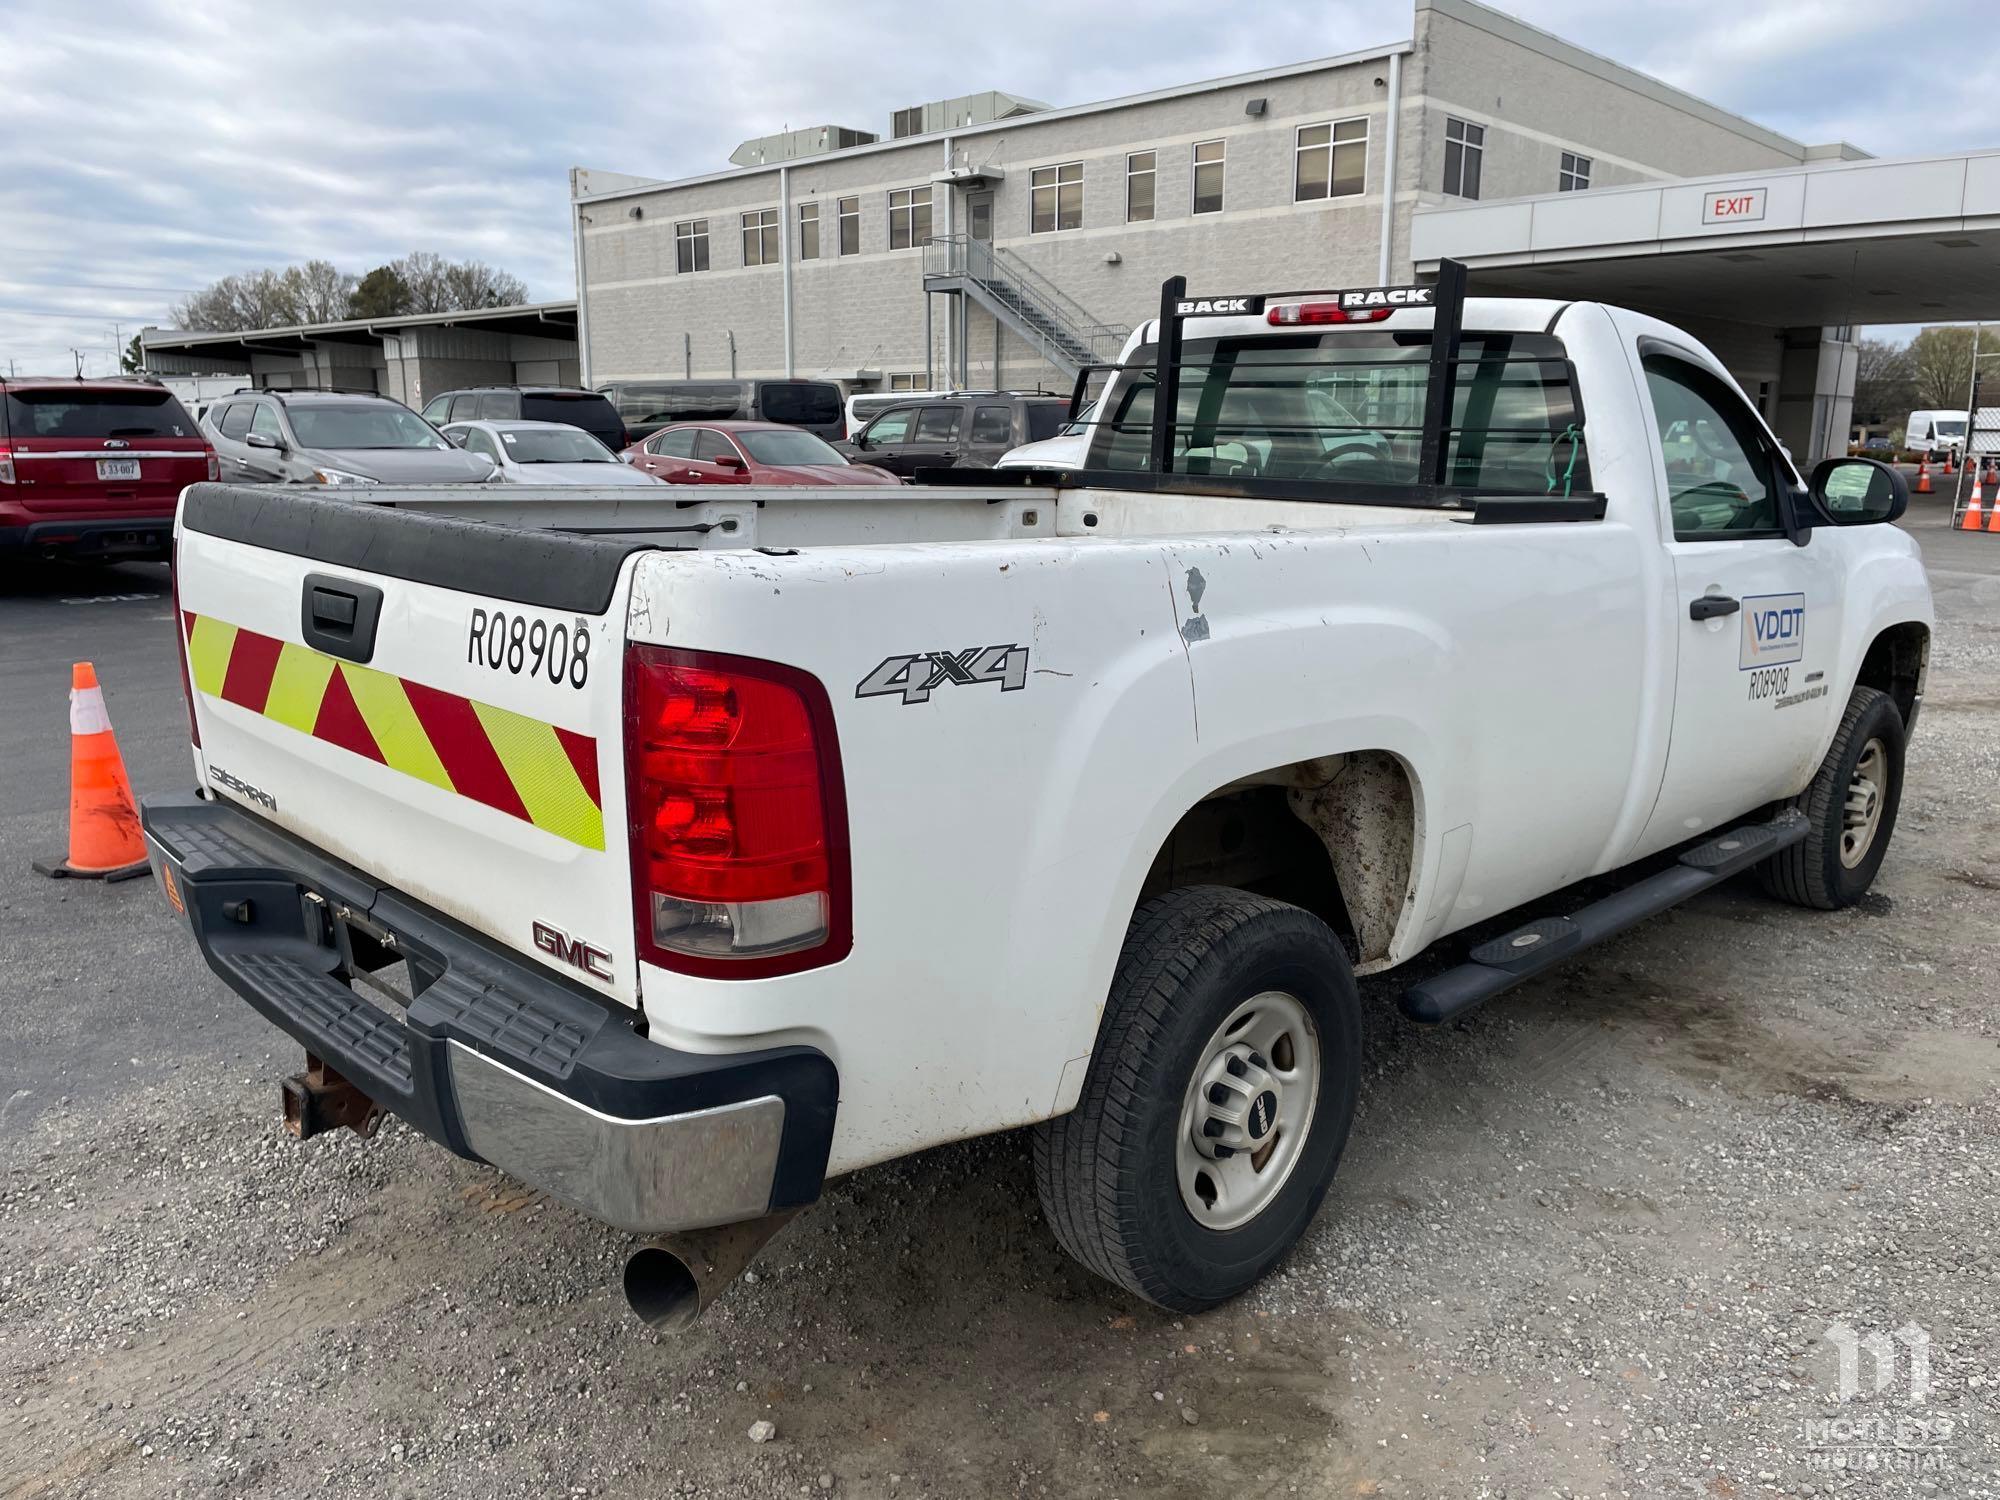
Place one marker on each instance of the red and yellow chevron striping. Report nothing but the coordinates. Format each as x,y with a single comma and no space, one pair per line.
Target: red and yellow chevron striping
540,773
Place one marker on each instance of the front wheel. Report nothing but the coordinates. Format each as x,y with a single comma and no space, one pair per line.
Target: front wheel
1217,1103
1850,810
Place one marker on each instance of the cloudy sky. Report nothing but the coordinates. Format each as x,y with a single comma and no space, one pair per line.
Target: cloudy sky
146,149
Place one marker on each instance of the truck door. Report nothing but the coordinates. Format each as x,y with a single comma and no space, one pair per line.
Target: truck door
1756,617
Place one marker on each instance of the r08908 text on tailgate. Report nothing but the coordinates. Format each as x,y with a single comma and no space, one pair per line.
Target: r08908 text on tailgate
520,644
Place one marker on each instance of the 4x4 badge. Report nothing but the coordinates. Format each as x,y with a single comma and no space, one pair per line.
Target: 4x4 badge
915,676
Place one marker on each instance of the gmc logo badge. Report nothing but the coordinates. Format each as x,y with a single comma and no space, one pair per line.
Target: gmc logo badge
573,951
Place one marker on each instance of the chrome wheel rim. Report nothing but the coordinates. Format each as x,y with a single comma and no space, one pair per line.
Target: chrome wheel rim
1862,815
1248,1110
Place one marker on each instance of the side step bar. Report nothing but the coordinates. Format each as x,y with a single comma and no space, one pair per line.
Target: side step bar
1500,964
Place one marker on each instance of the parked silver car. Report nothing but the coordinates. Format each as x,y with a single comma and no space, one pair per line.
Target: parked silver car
545,453
332,438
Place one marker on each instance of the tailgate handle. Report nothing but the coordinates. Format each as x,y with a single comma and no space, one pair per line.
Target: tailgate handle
338,616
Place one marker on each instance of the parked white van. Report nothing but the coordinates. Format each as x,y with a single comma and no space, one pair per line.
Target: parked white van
1936,431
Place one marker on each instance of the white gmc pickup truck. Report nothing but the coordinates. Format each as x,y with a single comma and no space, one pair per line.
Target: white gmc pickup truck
675,854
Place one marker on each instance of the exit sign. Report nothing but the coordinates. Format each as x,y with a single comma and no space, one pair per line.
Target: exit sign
1733,206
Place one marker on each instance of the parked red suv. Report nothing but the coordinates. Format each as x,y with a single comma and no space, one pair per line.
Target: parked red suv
91,468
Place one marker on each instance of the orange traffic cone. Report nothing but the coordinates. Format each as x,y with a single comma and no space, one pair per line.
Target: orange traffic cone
104,838
1923,479
1969,521
1949,470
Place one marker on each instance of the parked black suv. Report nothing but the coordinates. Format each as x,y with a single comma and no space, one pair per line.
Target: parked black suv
531,403
966,431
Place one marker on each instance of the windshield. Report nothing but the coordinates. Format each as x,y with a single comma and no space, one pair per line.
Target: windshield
553,445
361,425
771,447
1349,406
61,413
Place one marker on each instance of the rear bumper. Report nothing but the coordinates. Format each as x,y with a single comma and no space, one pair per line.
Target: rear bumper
495,1059
146,536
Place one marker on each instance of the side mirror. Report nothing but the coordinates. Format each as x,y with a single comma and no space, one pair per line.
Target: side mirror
263,440
730,461
1858,491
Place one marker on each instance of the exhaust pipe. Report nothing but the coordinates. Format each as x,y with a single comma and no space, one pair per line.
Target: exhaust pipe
671,1281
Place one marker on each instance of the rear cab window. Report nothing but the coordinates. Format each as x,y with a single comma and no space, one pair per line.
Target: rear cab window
83,413
1348,405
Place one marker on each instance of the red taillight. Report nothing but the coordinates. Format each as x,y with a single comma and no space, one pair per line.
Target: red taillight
739,823
180,638
214,464
6,464
1291,314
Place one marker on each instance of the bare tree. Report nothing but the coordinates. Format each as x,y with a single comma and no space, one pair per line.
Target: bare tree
319,292
1884,388
1941,367
426,275
473,283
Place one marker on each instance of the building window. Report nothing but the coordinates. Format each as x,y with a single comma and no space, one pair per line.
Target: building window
1139,178
1055,198
1464,147
913,382
848,211
1575,174
909,217
691,245
808,231
1332,160
1208,177
760,237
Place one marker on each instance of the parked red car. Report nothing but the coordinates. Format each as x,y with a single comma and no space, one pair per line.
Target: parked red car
747,453
91,468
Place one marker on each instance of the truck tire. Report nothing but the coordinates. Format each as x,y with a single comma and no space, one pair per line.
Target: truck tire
1850,810
1217,1102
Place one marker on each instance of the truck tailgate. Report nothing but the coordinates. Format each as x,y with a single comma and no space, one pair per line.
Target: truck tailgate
435,702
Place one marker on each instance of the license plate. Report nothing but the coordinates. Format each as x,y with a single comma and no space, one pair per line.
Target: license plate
118,468
167,874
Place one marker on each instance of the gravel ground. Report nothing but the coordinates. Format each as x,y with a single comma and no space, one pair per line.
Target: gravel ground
1589,1241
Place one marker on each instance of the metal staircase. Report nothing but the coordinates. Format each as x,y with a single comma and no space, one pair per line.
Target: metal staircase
1032,307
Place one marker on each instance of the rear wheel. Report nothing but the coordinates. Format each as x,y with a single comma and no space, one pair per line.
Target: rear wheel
1850,810
1217,1103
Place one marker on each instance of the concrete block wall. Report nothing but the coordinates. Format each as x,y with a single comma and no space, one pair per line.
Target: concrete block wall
1539,96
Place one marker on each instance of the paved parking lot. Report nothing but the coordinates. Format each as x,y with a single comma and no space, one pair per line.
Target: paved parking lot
1590,1241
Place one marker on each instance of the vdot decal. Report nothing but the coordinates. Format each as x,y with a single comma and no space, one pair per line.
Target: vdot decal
1774,631
915,677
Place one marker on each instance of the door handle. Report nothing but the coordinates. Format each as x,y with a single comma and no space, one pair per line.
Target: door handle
1712,606
338,616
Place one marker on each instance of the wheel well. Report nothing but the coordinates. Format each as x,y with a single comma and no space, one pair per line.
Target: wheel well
1896,663
1335,835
